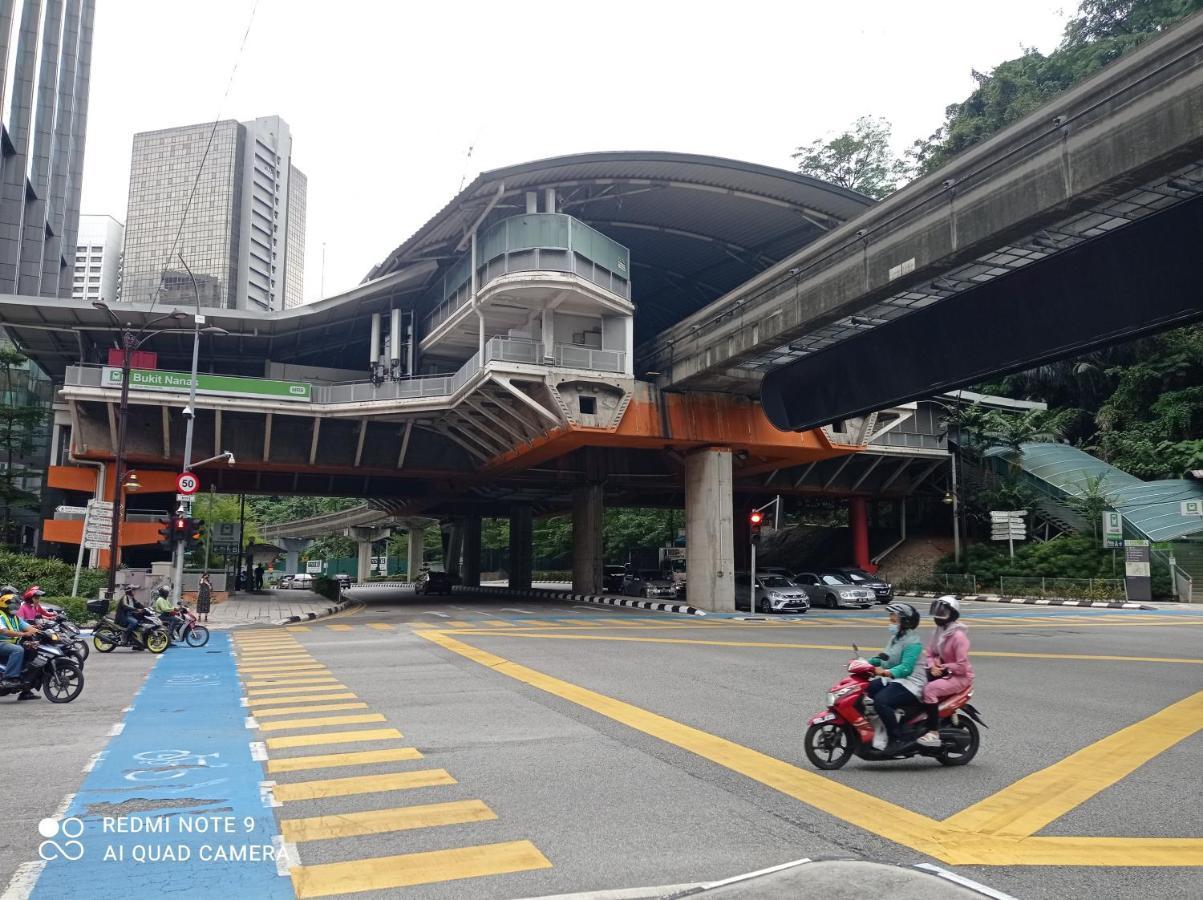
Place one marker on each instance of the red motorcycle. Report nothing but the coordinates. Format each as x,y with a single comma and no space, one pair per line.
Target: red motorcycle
845,729
187,627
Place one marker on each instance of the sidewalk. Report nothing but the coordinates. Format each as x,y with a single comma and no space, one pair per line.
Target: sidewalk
266,607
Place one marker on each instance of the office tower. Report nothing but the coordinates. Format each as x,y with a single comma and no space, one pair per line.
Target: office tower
98,260
237,204
46,46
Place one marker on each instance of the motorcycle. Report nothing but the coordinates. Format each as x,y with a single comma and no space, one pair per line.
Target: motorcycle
845,729
149,632
187,628
67,632
49,669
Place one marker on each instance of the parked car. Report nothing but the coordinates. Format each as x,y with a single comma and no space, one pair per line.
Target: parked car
774,593
302,581
649,583
833,590
883,590
343,579
612,578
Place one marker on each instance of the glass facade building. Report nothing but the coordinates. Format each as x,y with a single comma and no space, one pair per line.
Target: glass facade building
236,233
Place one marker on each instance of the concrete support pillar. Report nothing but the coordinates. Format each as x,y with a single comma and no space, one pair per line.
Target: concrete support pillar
292,549
470,570
363,566
455,541
521,547
858,521
588,506
417,546
710,563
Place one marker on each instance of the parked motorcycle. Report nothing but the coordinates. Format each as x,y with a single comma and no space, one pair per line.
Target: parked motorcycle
846,728
149,633
188,629
49,669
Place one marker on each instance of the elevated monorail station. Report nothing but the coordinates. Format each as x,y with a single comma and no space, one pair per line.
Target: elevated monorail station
486,367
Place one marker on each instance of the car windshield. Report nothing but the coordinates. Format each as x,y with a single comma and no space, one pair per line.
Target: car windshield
833,579
857,577
774,581
651,576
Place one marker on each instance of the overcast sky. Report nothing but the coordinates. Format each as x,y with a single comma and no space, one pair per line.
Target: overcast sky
384,98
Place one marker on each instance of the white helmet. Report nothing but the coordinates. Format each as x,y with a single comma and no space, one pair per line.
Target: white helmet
945,609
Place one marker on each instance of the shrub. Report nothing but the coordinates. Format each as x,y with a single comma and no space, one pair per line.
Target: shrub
75,608
53,575
327,587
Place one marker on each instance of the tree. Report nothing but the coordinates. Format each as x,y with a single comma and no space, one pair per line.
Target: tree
1013,430
1092,500
22,421
860,159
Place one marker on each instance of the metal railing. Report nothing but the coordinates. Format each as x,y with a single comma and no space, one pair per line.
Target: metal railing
535,242
944,583
571,356
1061,588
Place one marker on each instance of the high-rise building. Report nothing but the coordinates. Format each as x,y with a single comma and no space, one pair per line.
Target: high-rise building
98,260
46,46
243,233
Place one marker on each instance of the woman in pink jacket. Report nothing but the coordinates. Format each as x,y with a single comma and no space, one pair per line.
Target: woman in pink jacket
948,665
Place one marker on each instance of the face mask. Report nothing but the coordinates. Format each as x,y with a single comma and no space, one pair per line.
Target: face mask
893,628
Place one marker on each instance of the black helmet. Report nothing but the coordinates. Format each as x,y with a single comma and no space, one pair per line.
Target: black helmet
8,589
945,609
163,592
908,616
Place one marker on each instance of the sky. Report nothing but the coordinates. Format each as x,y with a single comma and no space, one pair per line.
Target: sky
393,106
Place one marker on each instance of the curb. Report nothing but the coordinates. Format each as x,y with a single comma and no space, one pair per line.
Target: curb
309,617
1036,601
539,594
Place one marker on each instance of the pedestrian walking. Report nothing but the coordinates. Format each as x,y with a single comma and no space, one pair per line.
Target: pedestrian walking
204,597
259,577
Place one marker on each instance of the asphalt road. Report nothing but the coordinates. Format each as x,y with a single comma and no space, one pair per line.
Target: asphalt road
526,749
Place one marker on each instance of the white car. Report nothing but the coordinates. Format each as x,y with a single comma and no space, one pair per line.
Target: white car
302,581
774,593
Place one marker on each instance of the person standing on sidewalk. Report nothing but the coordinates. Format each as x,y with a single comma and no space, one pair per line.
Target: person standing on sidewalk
204,597
259,577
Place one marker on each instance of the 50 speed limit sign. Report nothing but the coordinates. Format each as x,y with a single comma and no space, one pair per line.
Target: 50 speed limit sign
187,483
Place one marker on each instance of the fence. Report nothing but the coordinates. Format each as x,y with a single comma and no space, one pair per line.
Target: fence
945,584
1068,588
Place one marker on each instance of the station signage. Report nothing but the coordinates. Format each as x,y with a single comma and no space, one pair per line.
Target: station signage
212,385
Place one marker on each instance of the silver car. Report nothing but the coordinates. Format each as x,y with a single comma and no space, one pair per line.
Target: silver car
774,593
833,591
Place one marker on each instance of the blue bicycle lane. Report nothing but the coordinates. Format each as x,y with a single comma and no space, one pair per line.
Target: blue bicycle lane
174,804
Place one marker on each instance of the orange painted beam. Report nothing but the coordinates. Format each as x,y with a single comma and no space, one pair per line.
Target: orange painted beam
70,531
72,478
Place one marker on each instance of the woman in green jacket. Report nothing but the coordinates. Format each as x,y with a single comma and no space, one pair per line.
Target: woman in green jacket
900,676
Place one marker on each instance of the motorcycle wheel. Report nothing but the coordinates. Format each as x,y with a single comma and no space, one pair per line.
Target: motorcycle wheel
157,640
81,649
829,745
106,641
196,636
63,682
957,756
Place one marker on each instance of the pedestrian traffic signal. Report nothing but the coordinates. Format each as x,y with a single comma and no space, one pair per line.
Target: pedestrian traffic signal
180,529
166,538
754,520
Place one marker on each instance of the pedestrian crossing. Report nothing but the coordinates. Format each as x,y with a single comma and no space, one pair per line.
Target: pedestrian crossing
315,712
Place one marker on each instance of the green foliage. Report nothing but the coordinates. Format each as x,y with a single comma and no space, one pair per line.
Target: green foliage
552,537
75,607
860,159
53,575
327,587
1092,500
630,528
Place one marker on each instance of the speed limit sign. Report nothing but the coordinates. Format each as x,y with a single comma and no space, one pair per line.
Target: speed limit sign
187,483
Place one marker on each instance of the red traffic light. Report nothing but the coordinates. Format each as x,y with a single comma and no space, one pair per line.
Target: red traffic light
756,517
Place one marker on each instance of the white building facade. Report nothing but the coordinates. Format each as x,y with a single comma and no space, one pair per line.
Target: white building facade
97,275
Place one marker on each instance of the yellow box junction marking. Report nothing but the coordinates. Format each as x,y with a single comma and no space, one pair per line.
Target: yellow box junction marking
379,821
283,682
361,784
263,692
942,840
318,707
333,737
301,698
334,760
321,722
408,869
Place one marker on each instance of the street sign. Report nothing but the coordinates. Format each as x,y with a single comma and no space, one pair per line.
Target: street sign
1191,507
71,510
1008,525
226,536
1113,530
187,483
98,525
220,385
1137,571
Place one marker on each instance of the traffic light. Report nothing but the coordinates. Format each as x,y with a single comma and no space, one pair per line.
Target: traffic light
166,538
754,520
196,535
180,529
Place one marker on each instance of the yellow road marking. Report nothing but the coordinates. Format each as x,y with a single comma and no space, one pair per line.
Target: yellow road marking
314,672
320,707
278,682
339,627
843,648
256,656
379,821
456,624
322,722
1041,798
298,628
273,702
943,840
407,869
361,784
267,640
334,760
380,626
263,692
333,737
267,669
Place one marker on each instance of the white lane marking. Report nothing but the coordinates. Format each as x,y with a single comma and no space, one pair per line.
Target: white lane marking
258,751
250,722
287,857
65,805
95,760
267,794
242,701
664,890
749,875
964,882
24,880
117,729
525,612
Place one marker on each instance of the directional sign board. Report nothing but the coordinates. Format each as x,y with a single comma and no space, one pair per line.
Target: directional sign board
98,525
1113,530
226,536
1191,507
187,483
1137,570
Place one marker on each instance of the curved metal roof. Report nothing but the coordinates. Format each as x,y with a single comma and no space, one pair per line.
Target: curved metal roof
1151,507
696,226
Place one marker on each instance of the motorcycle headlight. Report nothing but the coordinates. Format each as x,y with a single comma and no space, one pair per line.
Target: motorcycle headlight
830,699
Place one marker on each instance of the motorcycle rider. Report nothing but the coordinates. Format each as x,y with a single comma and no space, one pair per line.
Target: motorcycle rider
900,676
31,605
127,617
165,609
13,629
947,663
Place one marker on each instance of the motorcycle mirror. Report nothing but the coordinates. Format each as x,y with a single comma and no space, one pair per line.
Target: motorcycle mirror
855,649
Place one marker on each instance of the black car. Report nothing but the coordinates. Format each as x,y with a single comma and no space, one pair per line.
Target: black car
883,590
612,578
